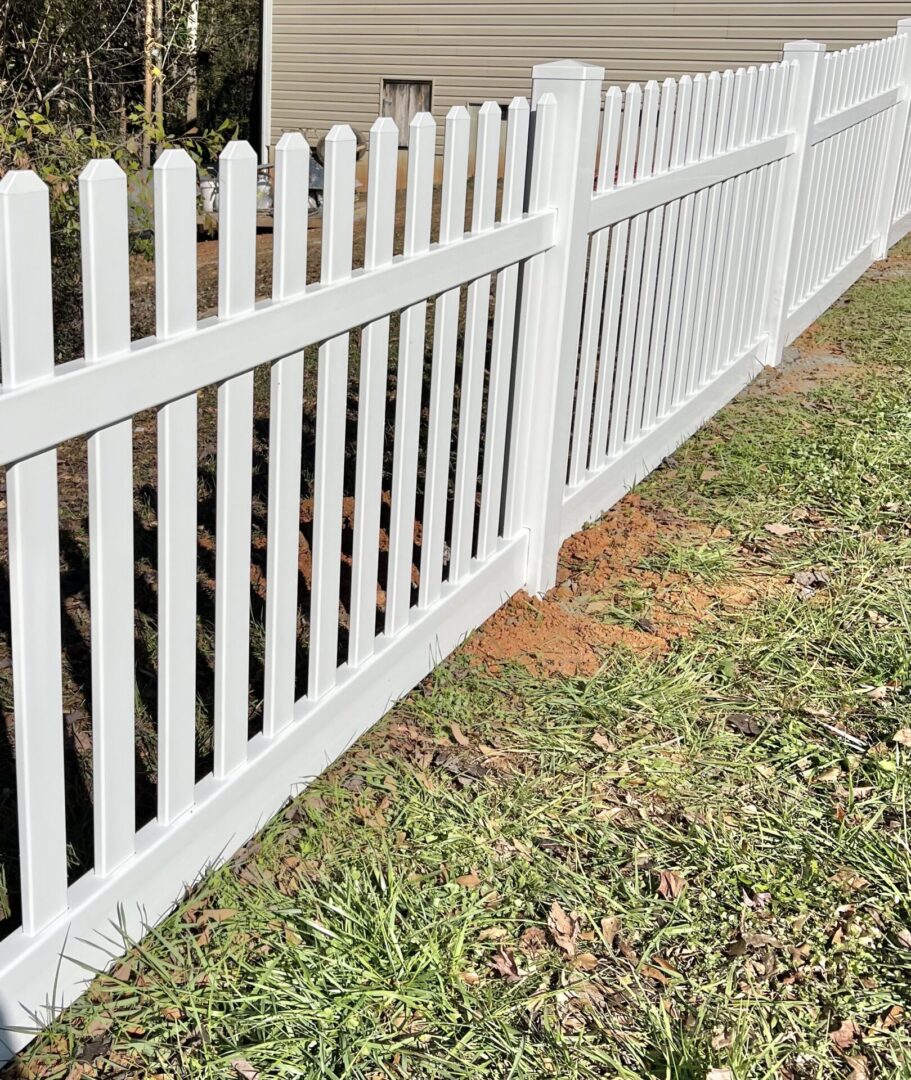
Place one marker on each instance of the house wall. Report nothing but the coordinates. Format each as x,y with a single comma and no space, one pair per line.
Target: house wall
329,57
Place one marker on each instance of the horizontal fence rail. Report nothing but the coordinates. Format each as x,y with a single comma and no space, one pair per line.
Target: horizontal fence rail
402,436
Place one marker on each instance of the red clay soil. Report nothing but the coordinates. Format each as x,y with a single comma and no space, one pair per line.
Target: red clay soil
573,627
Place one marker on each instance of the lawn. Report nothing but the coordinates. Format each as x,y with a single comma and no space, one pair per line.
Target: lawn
653,825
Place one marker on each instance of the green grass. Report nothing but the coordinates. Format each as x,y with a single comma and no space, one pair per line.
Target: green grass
724,828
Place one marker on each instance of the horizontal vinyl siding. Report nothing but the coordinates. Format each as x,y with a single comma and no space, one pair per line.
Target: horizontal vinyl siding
328,58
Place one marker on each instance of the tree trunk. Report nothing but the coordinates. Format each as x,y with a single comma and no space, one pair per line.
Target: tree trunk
149,58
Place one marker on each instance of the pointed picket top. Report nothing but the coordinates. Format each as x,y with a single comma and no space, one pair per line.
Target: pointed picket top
341,133
293,141
568,69
21,182
174,158
422,120
238,150
99,170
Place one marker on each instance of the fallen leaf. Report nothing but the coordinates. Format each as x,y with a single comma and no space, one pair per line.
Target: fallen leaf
504,964
610,928
469,881
860,1069
777,528
171,1013
533,940
244,1069
657,974
470,978
744,722
98,1026
902,737
563,929
215,915
458,735
719,1074
493,933
846,1035
903,937
670,884
585,961
603,743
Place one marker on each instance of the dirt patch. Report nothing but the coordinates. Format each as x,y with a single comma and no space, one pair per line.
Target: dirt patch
610,595
805,367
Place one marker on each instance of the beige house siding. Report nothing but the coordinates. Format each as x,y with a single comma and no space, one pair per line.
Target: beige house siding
329,57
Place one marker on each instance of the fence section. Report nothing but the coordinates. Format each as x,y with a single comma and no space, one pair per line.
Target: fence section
653,248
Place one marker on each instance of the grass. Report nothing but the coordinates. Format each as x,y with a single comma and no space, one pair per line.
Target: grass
691,861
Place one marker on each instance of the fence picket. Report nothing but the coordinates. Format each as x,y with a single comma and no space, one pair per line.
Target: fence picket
685,261
531,287
629,315
653,229
613,289
409,375
234,464
749,220
660,358
175,313
371,421
719,212
26,339
734,224
504,331
477,318
443,363
286,392
594,294
106,305
331,409
710,278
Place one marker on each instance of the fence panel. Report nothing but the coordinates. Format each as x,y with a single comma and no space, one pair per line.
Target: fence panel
608,313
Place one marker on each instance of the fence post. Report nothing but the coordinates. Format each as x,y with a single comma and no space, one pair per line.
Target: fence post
894,144
553,301
793,193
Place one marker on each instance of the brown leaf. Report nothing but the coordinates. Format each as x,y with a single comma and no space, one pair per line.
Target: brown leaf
860,1068
492,933
469,881
98,1026
902,737
585,961
846,1035
744,722
504,965
903,937
603,743
610,928
670,884
563,929
777,528
719,1074
171,1013
244,1069
458,735
215,915
657,974
533,940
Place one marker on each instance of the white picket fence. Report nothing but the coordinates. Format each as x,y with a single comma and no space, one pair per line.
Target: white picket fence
643,269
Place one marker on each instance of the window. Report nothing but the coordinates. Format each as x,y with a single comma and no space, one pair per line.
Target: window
402,99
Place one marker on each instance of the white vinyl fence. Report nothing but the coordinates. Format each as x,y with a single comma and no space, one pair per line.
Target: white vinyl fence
654,248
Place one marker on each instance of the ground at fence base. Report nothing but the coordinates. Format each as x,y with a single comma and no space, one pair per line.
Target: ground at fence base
688,861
